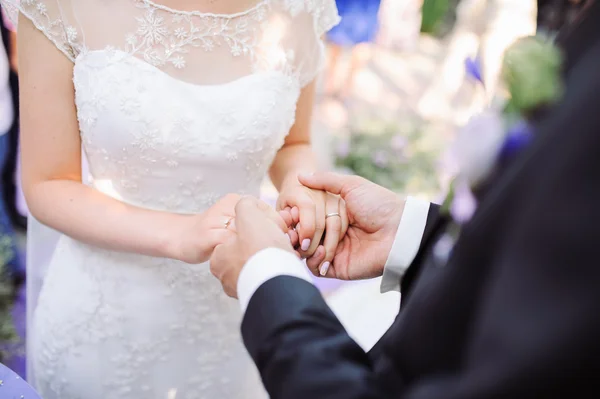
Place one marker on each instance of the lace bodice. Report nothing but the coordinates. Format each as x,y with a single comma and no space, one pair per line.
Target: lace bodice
178,108
270,35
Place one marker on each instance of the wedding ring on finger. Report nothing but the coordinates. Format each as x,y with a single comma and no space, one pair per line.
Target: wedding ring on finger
329,215
228,222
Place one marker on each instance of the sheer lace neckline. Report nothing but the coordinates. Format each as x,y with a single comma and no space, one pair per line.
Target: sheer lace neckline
248,11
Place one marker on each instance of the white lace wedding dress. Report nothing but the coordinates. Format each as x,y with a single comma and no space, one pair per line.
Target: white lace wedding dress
176,108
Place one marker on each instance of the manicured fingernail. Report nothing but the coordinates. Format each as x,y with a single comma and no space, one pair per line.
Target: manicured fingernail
305,244
324,268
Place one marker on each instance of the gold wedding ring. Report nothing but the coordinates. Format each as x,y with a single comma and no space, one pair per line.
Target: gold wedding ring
228,222
329,215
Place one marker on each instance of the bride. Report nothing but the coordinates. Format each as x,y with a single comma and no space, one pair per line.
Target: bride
180,106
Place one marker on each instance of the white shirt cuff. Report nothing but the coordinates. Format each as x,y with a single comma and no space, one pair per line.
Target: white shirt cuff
406,243
265,265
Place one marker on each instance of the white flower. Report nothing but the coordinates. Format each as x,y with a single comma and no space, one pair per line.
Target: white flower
208,45
71,34
152,28
180,33
42,9
178,62
477,146
131,39
236,50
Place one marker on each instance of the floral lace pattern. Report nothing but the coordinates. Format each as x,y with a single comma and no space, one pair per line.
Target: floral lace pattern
162,130
162,43
167,38
61,33
168,139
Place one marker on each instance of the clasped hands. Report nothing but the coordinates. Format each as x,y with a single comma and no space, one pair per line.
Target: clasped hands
343,225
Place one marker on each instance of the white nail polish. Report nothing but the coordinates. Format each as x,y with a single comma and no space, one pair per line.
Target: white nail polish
305,244
323,269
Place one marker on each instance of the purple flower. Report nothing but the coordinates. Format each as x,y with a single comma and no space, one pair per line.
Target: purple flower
398,143
518,137
473,69
443,248
343,149
463,204
478,145
380,159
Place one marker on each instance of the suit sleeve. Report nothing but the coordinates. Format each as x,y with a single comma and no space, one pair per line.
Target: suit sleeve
298,344
301,349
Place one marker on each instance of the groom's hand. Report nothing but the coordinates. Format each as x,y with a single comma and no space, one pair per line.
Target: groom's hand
374,214
257,227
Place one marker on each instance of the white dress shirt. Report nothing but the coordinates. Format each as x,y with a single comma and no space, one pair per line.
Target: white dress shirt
273,262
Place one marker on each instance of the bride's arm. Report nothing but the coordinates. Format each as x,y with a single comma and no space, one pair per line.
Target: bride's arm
51,156
296,155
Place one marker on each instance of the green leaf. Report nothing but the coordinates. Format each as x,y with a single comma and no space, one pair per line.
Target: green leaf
531,69
445,208
433,12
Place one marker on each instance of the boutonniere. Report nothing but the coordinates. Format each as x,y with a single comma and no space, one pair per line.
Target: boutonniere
530,80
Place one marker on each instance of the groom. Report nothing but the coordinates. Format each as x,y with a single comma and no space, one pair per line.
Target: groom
511,312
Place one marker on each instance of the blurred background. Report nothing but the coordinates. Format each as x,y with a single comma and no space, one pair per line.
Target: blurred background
391,97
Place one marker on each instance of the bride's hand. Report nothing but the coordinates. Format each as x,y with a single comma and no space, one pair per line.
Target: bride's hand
320,221
198,235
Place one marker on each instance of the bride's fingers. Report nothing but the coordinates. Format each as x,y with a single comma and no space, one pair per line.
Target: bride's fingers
312,224
277,218
333,235
286,215
306,226
316,260
294,238
295,215
231,226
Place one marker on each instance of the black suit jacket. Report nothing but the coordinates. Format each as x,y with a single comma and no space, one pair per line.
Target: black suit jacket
512,314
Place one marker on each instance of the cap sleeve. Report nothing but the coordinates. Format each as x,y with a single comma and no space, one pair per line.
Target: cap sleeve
311,20
7,22
51,17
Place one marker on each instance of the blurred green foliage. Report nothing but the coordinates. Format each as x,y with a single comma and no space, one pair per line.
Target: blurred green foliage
8,334
401,159
438,16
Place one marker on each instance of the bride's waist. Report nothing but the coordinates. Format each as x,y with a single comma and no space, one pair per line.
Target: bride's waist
173,197
86,280
81,270
75,257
